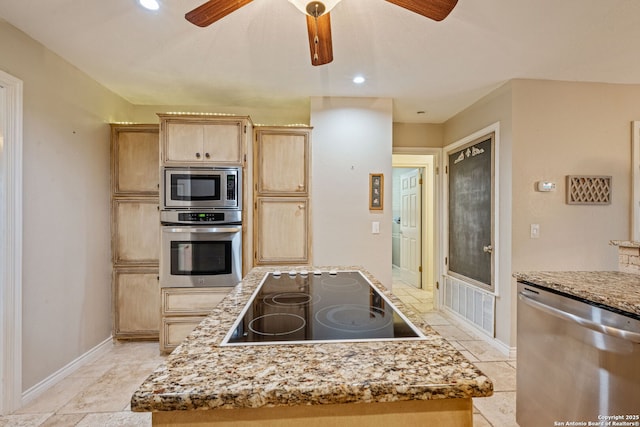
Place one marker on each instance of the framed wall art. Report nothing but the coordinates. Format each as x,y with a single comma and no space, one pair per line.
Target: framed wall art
376,191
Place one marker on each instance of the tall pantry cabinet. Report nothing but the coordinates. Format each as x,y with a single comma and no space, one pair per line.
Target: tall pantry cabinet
134,231
282,195
199,140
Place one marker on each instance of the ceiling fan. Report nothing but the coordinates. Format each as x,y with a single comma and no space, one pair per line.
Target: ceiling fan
318,20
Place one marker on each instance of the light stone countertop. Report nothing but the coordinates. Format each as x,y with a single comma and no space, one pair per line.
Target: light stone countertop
625,243
200,374
613,289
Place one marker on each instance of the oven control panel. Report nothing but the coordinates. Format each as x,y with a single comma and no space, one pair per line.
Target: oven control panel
226,216
201,216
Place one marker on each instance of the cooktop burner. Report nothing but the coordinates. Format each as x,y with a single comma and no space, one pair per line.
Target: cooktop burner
306,307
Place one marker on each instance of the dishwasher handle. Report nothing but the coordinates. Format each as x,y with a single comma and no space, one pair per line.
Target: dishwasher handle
594,326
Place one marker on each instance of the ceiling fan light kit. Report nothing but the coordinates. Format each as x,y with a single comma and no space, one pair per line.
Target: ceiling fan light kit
314,8
318,18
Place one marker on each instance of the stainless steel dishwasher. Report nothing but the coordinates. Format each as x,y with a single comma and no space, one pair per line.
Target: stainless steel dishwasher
577,362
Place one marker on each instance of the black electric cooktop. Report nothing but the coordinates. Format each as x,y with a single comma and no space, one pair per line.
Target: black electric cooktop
308,307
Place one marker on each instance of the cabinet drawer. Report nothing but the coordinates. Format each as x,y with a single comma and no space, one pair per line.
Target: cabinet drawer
175,330
191,301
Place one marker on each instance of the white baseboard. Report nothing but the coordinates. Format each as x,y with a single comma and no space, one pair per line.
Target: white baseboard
37,390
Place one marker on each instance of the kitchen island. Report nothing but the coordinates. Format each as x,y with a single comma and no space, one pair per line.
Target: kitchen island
404,382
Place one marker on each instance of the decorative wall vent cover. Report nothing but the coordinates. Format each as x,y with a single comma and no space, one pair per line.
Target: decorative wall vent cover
588,190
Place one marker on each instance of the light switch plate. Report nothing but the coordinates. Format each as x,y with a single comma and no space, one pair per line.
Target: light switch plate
375,227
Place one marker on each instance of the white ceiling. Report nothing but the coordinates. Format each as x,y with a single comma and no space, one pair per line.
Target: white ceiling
259,55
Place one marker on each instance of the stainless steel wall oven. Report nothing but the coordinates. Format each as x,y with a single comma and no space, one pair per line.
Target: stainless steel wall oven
200,256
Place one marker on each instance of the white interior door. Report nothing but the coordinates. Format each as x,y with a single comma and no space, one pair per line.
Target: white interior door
411,228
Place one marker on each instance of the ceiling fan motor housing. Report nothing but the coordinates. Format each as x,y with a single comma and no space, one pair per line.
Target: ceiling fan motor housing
316,8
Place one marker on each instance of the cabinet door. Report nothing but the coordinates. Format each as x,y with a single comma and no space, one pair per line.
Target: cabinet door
282,161
136,294
175,329
282,229
183,142
136,231
134,160
223,143
216,142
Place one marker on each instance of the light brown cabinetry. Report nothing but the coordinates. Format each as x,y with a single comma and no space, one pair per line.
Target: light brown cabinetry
135,290
194,139
136,237
134,231
182,309
282,197
282,230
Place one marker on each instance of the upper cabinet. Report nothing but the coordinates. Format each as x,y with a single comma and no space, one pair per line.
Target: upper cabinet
188,139
282,161
134,160
281,223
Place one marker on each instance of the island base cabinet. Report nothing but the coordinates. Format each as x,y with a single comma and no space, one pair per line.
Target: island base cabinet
439,412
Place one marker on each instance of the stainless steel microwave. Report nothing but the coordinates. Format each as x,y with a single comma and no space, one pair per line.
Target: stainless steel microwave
197,188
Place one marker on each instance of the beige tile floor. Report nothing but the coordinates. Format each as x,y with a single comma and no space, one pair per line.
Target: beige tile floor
497,410
98,394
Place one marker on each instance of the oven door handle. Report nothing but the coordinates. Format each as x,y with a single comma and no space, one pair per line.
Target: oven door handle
233,229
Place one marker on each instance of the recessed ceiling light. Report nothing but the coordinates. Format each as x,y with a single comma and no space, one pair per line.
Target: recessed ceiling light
150,4
359,80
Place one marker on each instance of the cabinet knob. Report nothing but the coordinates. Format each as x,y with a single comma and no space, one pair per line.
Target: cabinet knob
301,186
207,155
197,155
300,206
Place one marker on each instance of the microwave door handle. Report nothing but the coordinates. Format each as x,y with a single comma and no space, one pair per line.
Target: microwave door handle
203,230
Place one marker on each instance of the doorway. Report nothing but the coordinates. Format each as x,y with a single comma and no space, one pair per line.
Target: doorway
10,242
413,229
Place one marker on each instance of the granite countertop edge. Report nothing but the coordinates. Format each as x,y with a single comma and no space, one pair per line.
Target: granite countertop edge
197,375
625,243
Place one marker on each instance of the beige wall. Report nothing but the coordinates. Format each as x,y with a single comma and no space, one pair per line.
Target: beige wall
66,252
560,129
417,135
351,139
495,107
548,130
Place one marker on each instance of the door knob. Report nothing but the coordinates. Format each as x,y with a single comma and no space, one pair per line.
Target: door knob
487,249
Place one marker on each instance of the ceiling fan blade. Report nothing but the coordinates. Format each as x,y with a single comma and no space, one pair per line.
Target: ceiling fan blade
213,10
319,30
432,9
